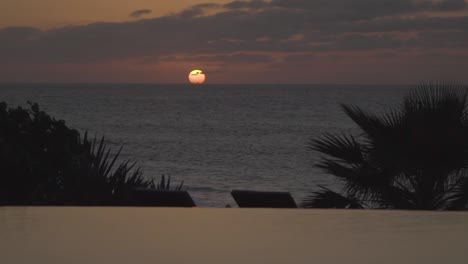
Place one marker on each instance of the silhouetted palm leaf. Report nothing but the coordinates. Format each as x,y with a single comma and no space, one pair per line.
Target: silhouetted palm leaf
326,198
341,147
458,197
409,158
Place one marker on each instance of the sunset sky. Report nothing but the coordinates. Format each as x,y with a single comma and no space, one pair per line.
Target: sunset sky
278,41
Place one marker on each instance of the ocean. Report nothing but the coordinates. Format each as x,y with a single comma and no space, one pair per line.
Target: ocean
216,138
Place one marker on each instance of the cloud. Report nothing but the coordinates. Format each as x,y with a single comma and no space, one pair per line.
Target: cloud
198,10
206,5
140,13
222,58
208,29
364,10
450,5
255,4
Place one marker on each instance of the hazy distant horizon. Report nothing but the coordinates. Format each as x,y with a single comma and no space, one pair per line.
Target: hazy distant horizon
211,84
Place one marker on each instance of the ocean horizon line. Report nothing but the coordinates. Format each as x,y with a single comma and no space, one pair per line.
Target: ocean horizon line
206,84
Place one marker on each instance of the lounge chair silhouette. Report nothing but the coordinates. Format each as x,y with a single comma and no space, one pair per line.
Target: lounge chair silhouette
160,198
255,199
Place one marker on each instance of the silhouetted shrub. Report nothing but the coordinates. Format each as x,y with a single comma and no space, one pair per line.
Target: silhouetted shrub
164,185
43,162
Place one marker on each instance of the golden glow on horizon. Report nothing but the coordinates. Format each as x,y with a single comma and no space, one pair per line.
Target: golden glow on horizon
197,77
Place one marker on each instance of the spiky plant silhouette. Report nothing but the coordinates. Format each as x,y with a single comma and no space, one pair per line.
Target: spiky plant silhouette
43,162
413,157
164,185
94,179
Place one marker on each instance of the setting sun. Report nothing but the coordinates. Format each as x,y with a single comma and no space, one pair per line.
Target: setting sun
197,77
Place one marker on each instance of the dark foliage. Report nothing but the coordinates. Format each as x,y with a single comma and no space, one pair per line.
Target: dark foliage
414,157
43,162
164,185
326,198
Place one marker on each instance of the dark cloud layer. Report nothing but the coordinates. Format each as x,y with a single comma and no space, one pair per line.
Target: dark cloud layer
254,4
141,12
225,58
238,28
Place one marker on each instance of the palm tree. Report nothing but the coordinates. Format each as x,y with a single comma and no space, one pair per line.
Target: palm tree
413,157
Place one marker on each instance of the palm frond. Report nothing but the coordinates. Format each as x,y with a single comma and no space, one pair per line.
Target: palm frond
431,95
326,198
458,197
437,103
392,119
367,122
342,147
395,197
408,158
361,180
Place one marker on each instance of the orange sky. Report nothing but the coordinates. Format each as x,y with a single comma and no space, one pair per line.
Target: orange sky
55,13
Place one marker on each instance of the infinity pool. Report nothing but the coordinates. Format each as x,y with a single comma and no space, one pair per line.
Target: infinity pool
87,235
